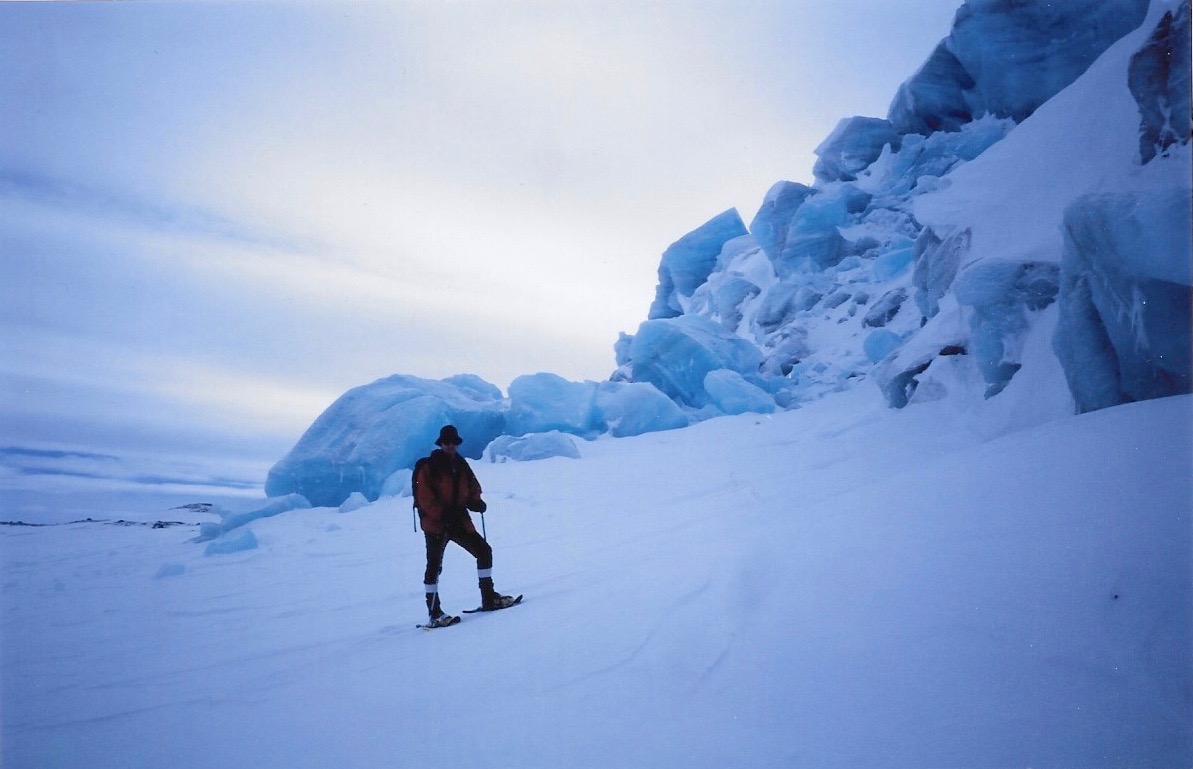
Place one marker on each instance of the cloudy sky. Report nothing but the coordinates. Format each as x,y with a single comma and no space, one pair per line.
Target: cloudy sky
217,217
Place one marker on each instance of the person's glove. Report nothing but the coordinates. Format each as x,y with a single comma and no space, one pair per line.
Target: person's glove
478,506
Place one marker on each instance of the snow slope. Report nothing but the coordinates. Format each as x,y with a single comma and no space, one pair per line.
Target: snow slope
841,585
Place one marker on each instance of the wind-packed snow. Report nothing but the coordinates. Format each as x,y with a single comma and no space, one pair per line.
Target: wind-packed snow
355,501
841,585
235,542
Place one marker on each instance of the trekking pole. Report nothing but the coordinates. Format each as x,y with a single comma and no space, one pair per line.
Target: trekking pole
484,534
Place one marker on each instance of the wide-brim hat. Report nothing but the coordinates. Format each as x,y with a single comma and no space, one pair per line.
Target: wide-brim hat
448,434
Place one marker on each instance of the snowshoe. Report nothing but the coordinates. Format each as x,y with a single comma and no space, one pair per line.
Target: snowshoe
496,602
443,620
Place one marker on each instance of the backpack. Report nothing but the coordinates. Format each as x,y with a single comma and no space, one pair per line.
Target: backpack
414,488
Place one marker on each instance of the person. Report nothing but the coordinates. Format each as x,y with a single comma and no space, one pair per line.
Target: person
445,490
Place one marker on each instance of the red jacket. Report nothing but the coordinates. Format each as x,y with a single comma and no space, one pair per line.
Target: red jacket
441,493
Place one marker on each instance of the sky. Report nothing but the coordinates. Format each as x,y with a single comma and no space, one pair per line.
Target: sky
217,217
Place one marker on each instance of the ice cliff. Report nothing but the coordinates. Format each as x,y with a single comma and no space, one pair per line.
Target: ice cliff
1032,178
1016,231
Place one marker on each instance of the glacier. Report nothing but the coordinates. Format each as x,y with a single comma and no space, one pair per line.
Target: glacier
372,431
1030,182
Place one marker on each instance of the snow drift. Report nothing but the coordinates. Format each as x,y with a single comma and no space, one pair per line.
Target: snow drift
841,585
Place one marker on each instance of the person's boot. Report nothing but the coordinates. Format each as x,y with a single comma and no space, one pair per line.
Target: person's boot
439,618
443,620
491,600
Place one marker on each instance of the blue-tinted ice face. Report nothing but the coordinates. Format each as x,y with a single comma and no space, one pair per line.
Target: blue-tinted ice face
1006,59
373,431
1126,298
688,262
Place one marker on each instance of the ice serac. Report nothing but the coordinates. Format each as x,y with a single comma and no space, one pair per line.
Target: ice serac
742,270
783,300
1007,57
371,431
732,394
634,408
936,263
770,224
881,343
687,263
1159,80
813,240
1125,298
935,98
927,255
923,161
543,402
532,447
676,354
1000,296
853,145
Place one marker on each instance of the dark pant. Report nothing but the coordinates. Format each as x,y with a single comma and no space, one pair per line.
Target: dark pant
471,541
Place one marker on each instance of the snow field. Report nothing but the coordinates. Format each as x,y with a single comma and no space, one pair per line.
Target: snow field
840,585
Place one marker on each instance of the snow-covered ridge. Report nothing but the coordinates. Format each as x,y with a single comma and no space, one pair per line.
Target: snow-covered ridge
1013,235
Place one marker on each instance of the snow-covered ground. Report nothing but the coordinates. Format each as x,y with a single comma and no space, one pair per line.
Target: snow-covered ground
842,585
